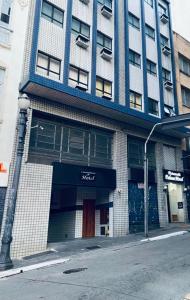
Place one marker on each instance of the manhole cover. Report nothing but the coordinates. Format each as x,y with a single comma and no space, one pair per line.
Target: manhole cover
75,270
93,247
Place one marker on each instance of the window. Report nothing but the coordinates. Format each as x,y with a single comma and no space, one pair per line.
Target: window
136,153
150,32
78,77
151,67
184,64
134,58
150,2
135,100
107,3
5,10
166,75
2,76
103,88
153,107
185,92
52,13
163,40
162,10
134,21
104,41
80,28
48,65
69,143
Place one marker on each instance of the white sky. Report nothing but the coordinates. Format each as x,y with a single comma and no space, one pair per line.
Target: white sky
181,17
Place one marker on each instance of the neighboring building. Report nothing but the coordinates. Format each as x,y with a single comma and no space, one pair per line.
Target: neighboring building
99,74
12,41
182,58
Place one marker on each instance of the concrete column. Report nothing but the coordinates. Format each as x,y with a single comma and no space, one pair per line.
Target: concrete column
120,195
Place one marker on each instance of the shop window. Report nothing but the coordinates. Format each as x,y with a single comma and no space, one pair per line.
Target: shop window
52,13
48,66
78,78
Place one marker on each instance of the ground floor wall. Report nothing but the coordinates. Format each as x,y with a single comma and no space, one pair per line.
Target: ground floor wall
32,216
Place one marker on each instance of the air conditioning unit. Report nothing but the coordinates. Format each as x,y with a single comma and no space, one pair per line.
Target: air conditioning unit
106,54
82,41
166,50
106,11
168,85
85,1
81,87
164,18
107,97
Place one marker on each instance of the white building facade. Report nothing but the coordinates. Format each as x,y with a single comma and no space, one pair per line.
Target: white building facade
99,74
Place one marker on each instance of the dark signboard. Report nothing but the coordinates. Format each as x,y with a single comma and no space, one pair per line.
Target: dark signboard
173,176
66,174
180,205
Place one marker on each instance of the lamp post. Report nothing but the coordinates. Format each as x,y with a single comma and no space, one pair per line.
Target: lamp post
5,259
167,123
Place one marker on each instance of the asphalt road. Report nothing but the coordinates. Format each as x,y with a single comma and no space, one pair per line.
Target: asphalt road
158,270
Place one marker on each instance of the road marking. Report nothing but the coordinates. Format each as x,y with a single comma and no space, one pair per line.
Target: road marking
164,236
32,267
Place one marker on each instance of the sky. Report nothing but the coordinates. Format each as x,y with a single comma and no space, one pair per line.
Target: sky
181,17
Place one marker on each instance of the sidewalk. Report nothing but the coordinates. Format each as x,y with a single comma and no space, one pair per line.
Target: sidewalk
61,252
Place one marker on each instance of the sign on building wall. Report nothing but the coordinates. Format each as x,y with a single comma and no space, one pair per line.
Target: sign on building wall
4,172
173,176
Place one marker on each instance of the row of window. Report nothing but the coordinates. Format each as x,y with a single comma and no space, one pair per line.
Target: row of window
136,103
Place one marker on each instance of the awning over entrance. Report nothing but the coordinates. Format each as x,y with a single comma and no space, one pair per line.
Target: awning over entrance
66,174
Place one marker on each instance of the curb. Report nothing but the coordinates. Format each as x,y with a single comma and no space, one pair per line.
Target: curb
164,236
20,270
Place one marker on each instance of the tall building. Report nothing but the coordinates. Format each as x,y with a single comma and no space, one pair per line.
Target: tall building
12,41
182,59
99,75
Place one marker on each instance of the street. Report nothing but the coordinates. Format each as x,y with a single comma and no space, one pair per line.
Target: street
158,270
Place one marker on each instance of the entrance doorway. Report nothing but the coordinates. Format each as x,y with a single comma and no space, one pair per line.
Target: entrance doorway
175,203
88,218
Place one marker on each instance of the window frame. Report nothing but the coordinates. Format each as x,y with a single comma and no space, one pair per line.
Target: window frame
165,77
104,36
135,105
81,23
135,57
156,114
52,19
162,10
104,2
149,29
184,101
149,2
103,85
183,60
163,37
49,57
78,75
153,67
133,17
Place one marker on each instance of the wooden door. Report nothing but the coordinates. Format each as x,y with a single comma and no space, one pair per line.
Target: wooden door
88,218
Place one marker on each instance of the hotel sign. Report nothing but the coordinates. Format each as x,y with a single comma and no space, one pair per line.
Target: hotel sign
173,176
88,176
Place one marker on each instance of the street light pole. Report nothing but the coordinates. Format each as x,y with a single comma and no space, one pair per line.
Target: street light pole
5,259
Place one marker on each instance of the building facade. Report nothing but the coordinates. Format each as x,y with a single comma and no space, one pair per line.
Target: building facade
99,75
12,41
182,58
